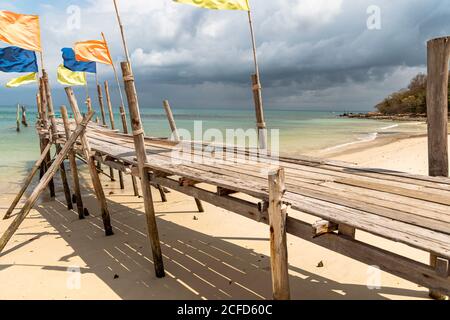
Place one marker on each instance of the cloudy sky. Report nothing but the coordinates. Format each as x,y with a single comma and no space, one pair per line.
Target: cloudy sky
314,54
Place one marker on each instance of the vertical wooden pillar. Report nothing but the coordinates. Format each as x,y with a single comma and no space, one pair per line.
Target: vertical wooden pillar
113,127
278,242
73,166
438,51
123,116
51,116
171,120
437,106
100,102
260,121
139,144
91,164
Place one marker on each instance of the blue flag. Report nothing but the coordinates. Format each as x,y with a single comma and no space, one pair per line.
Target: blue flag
15,59
73,65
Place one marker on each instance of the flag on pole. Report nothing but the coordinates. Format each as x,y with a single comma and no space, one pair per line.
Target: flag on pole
20,30
20,81
15,59
218,4
71,78
93,50
72,64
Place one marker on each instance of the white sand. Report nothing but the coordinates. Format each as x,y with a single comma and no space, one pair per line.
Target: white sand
218,255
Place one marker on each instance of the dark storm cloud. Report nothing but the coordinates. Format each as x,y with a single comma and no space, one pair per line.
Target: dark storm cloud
313,53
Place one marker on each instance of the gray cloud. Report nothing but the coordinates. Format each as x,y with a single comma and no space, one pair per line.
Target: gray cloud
313,53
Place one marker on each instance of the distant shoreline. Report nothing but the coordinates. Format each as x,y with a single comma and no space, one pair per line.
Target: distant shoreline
380,116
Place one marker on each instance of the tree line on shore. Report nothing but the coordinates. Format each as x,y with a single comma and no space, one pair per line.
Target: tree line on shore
411,100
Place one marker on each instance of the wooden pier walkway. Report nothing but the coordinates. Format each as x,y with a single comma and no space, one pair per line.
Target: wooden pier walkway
411,209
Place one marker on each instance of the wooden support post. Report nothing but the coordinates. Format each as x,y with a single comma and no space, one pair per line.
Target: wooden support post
278,241
347,231
24,116
100,102
260,122
139,144
173,126
18,119
43,96
437,114
74,168
123,116
176,137
31,201
437,106
91,164
113,127
51,115
27,182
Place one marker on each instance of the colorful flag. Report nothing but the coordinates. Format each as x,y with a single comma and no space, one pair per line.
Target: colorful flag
218,4
15,59
20,30
72,64
20,81
93,50
71,78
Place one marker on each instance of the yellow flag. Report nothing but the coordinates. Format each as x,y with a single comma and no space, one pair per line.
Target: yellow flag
218,4
29,78
67,77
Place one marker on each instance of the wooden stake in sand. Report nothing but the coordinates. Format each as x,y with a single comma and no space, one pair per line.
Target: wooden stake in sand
91,164
82,212
437,111
24,116
123,116
278,245
43,97
18,119
51,115
113,126
139,144
43,183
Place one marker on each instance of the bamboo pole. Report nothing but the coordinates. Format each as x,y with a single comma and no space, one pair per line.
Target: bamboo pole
31,201
122,32
113,127
43,96
24,116
100,102
170,118
278,246
91,164
27,182
176,137
257,94
82,212
18,119
437,114
123,116
139,144
51,115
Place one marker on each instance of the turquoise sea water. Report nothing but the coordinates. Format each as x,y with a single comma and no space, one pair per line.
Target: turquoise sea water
300,131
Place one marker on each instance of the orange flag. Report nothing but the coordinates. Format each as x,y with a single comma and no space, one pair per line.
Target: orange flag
20,30
93,50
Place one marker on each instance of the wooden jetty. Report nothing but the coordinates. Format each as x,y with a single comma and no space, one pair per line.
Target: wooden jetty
345,199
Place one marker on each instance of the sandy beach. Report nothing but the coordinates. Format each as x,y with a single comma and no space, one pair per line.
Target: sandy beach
211,255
